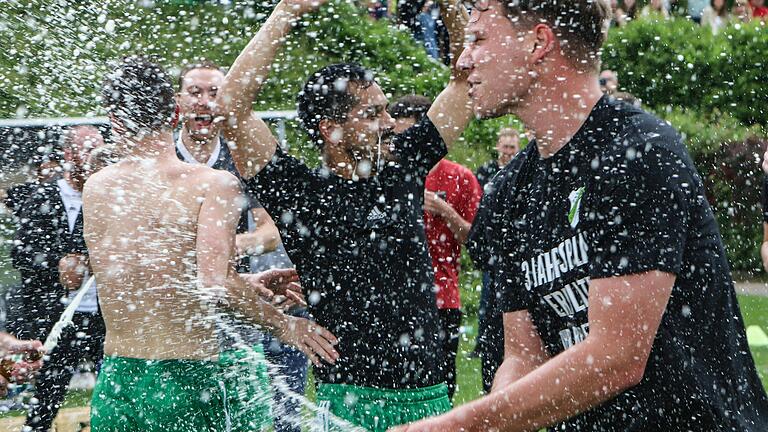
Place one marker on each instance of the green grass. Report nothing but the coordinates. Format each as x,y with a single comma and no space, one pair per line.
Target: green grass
754,309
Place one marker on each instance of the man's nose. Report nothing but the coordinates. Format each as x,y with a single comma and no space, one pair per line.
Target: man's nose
387,122
465,60
203,99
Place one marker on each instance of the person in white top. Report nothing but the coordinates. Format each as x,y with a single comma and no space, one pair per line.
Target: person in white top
715,16
84,340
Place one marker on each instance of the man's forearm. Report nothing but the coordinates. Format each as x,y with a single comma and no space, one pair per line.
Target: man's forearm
251,68
511,370
580,378
458,225
243,298
455,18
257,242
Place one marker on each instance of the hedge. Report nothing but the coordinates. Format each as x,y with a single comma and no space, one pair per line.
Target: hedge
677,62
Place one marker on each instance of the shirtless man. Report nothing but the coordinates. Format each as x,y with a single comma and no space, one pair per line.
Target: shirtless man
161,234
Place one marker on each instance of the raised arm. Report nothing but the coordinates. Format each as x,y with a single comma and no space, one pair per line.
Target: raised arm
217,222
253,141
451,112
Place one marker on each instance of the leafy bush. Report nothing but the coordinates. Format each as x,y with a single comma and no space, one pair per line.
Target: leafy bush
680,63
727,156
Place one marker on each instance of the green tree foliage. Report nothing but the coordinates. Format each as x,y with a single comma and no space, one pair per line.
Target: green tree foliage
712,88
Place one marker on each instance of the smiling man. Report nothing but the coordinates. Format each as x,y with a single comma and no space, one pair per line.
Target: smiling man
620,310
354,227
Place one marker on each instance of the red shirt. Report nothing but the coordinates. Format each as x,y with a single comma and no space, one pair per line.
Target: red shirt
759,11
459,187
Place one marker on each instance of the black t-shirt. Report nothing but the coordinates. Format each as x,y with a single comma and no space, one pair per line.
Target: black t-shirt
360,250
623,197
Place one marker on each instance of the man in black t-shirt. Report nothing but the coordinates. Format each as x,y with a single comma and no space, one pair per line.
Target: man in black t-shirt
354,227
620,310
507,146
490,332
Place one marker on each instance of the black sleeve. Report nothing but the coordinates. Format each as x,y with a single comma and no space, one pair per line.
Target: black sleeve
420,147
639,216
16,196
76,243
765,199
297,198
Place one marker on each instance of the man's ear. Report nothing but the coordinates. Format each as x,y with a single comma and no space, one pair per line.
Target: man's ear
544,42
330,131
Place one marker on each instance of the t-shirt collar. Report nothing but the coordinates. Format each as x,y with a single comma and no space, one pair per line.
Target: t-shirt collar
187,156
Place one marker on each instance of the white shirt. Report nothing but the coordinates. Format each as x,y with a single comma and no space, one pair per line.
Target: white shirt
73,203
188,158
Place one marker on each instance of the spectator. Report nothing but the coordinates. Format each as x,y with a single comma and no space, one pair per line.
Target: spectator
759,10
609,82
741,11
428,28
507,146
54,211
490,334
715,16
408,12
377,9
696,9
451,198
626,13
655,9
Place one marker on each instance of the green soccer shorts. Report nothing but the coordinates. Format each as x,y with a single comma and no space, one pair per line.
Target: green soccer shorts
377,409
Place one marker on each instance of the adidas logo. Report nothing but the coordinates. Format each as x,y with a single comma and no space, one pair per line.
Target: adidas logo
376,214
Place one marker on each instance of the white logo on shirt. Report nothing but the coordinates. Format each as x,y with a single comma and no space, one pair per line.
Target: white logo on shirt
575,199
376,214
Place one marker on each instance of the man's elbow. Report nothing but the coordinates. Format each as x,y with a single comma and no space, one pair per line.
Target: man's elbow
629,368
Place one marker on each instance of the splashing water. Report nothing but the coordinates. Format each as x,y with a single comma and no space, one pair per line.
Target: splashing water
55,65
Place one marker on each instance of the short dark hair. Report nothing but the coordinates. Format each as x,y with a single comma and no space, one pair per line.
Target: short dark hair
410,106
139,93
326,95
200,64
580,25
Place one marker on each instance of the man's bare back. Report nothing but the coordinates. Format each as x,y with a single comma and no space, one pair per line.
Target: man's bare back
141,226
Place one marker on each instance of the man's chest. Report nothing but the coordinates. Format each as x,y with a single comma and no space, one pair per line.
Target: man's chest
550,237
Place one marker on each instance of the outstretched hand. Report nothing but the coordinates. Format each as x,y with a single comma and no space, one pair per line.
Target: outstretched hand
281,282
303,7
311,339
10,345
18,371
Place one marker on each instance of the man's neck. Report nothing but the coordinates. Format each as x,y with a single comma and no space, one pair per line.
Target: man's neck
200,149
74,181
348,167
556,110
157,145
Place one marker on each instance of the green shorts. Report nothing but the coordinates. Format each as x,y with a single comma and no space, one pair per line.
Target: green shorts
248,393
159,395
378,409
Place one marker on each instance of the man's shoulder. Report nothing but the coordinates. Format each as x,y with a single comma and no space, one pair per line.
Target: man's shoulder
454,168
643,143
216,178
